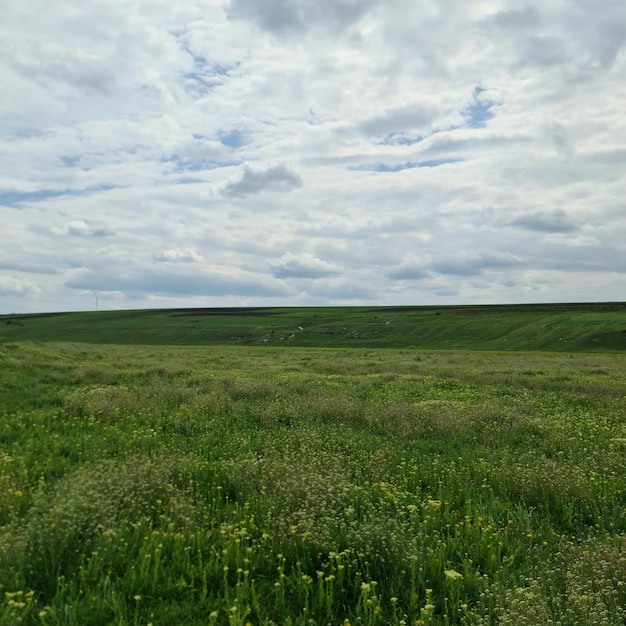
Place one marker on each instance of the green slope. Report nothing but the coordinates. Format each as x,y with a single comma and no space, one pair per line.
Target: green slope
554,327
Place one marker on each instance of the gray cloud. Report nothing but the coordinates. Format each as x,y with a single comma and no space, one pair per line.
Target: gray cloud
474,264
174,284
557,221
577,37
514,19
29,268
341,291
603,32
296,16
446,292
543,50
254,181
409,118
409,272
80,228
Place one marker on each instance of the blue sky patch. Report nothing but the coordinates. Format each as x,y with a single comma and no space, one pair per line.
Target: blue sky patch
478,112
16,198
204,76
233,139
384,167
198,85
188,180
181,165
69,161
401,139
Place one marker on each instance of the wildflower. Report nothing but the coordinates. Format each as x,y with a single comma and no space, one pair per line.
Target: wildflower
452,574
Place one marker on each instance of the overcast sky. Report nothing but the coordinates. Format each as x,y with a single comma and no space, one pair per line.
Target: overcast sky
310,152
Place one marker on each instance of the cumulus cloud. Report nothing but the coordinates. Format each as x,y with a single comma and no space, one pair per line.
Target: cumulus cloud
254,181
303,266
179,256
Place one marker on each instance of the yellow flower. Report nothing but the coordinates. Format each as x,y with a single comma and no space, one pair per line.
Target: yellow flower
452,574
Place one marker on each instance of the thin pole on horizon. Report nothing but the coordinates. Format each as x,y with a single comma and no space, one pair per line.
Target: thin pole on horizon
96,303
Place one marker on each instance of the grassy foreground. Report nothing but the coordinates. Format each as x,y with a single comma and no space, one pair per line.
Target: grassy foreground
233,486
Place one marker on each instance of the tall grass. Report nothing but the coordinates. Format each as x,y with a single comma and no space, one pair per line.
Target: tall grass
260,486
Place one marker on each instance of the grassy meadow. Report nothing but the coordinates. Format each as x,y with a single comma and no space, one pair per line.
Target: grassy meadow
235,485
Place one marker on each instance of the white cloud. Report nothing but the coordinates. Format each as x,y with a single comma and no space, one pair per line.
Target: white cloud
303,266
179,256
138,281
22,287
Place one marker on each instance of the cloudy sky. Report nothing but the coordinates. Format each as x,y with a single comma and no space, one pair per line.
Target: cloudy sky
310,152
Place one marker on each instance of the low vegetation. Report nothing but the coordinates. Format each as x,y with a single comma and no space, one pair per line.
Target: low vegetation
257,485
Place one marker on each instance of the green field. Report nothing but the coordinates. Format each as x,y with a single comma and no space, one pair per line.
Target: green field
314,466
561,327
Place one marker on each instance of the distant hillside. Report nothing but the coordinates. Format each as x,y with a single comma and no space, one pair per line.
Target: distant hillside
552,327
